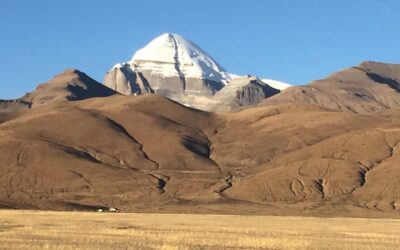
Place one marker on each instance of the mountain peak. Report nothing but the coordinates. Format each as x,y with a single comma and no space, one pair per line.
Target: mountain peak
374,65
180,57
388,71
369,62
169,65
71,84
70,71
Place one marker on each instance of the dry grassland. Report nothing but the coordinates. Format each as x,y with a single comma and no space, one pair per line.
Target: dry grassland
85,230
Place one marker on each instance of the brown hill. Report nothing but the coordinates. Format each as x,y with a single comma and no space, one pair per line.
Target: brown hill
70,85
368,87
119,149
148,153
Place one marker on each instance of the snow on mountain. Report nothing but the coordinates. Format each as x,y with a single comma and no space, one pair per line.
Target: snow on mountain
276,84
173,55
178,69
168,65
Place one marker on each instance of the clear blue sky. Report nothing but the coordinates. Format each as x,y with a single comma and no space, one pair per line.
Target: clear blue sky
288,40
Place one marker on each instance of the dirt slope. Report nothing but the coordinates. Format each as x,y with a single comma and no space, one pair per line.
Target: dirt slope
368,87
293,155
85,152
148,153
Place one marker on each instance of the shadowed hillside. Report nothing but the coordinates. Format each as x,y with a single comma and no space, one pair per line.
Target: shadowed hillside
148,153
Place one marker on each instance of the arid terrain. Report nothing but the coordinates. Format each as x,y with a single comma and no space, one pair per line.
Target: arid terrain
84,230
270,125
81,146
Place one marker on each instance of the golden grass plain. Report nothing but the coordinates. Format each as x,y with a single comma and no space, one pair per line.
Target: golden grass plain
89,230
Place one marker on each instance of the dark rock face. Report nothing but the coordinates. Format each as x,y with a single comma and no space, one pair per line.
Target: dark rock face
83,87
253,93
123,80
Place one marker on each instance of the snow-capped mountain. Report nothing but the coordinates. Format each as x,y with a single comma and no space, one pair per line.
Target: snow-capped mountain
168,65
173,55
177,68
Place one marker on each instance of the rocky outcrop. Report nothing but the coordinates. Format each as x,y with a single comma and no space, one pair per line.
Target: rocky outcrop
13,105
241,92
122,79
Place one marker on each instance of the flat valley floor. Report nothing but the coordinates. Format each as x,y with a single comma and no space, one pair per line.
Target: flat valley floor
89,230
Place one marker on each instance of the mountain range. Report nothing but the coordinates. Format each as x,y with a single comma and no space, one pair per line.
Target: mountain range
173,131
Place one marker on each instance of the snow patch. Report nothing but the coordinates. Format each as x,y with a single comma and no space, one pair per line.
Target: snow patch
276,84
